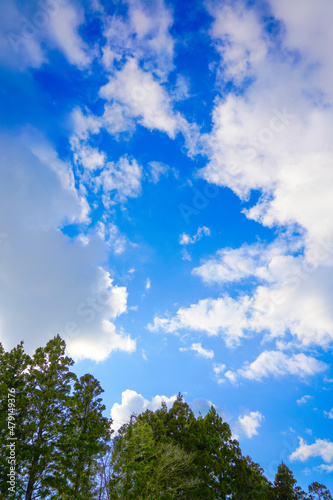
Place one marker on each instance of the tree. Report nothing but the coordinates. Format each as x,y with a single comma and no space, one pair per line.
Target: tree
284,483
319,492
216,461
83,442
48,386
13,379
250,482
59,425
144,469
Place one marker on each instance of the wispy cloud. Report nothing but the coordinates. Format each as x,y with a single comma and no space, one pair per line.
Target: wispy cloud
201,351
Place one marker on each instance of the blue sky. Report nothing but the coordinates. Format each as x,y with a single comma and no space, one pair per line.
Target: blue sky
166,206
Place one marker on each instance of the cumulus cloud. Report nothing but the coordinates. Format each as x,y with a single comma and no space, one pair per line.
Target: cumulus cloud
201,351
231,264
239,38
223,316
133,403
276,364
320,448
268,139
142,96
290,292
49,283
249,423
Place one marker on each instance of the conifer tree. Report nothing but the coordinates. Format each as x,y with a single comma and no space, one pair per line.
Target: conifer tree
83,442
284,483
59,425
13,380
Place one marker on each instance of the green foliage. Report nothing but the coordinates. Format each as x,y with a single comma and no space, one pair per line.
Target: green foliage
144,469
318,491
63,450
60,429
204,448
285,485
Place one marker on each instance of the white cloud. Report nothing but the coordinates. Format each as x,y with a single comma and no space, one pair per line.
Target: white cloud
157,170
294,299
320,448
29,33
63,288
144,35
304,399
250,423
123,178
269,139
90,158
218,368
83,124
326,468
63,31
201,351
329,414
110,234
143,97
223,316
134,403
185,239
276,364
148,284
235,264
239,39
290,294
186,254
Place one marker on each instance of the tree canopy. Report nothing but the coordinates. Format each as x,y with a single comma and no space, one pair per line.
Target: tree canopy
65,449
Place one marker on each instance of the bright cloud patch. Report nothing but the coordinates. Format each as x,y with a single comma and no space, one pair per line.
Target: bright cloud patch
133,403
122,178
142,96
276,364
221,316
201,351
186,239
250,423
320,448
269,139
56,284
304,399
